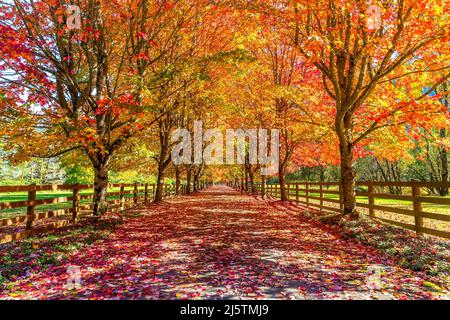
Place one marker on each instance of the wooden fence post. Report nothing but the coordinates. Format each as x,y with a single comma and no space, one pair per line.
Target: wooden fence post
122,197
371,191
146,194
307,194
321,196
75,204
135,194
31,206
417,205
263,189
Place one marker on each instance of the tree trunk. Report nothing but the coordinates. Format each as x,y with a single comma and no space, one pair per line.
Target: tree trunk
159,188
322,174
163,162
197,176
251,180
348,178
41,174
100,202
283,189
263,186
188,179
245,178
195,181
177,181
444,163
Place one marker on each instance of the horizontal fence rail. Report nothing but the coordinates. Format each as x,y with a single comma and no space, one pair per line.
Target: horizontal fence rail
408,208
74,205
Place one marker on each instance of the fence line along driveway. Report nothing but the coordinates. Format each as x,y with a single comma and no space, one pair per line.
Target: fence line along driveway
44,208
221,244
406,206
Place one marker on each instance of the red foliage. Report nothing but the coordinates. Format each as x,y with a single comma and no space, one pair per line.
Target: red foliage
218,244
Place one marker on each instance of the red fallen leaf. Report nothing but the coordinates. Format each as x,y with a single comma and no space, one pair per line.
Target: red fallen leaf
242,253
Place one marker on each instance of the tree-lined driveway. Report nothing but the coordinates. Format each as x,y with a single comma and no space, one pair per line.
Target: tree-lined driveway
220,244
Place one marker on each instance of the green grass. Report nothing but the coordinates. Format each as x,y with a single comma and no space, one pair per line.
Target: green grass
431,207
23,196
393,203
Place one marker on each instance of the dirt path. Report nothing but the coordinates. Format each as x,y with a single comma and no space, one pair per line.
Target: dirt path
219,244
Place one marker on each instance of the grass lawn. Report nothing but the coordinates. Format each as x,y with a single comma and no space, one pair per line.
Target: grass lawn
22,196
430,207
402,204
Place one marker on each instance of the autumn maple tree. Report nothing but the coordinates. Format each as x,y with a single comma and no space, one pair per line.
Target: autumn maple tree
69,89
94,87
357,58
340,79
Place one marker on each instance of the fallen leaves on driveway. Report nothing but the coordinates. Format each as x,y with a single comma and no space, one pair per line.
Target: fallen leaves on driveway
219,244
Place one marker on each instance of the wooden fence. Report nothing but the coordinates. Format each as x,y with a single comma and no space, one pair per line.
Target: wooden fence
326,197
120,200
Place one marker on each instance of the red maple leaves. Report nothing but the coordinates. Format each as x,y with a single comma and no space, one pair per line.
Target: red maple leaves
218,244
